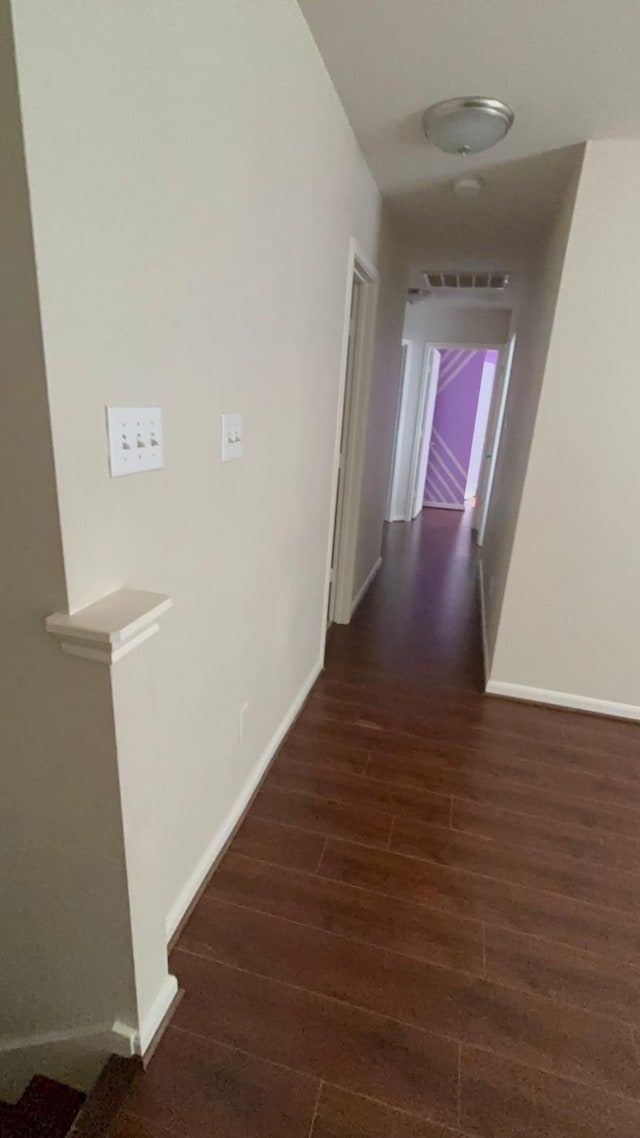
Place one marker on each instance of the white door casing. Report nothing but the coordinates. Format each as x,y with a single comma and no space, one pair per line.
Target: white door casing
492,439
395,478
350,437
424,428
483,410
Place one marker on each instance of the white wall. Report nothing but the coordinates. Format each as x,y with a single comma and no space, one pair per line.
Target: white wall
65,946
189,164
537,293
571,612
435,321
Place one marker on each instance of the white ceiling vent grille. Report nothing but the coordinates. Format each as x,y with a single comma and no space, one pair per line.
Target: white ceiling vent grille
454,280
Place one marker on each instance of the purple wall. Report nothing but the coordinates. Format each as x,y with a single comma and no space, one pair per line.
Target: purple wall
453,423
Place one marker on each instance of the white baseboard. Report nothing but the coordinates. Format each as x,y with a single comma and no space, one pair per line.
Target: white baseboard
483,624
76,1054
364,587
118,1036
73,1055
442,506
221,837
156,1013
564,699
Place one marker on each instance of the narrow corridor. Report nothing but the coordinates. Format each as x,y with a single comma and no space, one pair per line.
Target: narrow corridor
428,925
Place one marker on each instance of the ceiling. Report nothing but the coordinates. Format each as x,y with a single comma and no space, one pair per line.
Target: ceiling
569,68
498,229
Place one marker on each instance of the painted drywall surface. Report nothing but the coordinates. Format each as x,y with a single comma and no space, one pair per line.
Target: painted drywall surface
571,610
138,724
454,420
434,321
65,958
195,184
534,314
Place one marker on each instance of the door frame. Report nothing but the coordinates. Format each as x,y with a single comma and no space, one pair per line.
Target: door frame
494,434
481,429
418,446
345,528
423,428
406,361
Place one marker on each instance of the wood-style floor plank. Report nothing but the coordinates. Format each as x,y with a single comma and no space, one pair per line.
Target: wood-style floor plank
526,832
200,1087
503,1099
338,756
407,1127
424,768
351,912
599,983
447,1002
128,1126
403,788
395,699
341,786
532,800
283,845
358,1050
343,1115
569,876
427,925
362,823
485,899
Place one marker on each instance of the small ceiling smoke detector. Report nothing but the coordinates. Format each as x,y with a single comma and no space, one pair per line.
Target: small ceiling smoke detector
467,125
468,187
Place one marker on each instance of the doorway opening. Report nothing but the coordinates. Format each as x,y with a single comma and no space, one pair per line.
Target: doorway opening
456,426
360,310
449,455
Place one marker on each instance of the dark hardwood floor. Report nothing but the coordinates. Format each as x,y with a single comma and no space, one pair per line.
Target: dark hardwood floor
428,925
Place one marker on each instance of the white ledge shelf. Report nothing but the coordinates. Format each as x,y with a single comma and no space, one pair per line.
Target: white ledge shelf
109,629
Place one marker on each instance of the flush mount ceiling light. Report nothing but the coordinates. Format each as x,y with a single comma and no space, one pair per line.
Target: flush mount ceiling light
467,125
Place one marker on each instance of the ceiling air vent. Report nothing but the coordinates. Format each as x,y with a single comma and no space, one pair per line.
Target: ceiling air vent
468,279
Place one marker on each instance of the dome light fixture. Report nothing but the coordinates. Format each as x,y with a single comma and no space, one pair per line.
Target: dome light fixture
467,125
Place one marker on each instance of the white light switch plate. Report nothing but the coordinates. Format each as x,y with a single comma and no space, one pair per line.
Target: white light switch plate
231,436
135,439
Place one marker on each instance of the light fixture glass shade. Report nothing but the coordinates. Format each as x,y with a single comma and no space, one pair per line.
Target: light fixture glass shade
467,125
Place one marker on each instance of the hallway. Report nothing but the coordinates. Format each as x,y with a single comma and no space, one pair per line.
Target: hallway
427,926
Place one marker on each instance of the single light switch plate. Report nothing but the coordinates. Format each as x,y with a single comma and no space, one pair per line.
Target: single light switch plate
231,436
135,439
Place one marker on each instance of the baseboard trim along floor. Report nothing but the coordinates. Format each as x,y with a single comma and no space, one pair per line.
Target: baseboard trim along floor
216,847
564,699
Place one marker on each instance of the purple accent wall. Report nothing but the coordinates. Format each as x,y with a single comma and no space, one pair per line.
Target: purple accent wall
453,423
